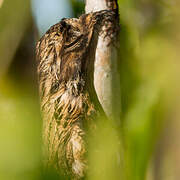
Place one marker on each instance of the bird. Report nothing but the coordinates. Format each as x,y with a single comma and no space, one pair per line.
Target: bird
70,107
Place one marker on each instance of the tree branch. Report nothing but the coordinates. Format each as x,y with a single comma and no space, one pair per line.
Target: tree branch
106,77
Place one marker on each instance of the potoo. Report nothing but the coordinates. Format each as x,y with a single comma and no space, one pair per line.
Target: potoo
69,103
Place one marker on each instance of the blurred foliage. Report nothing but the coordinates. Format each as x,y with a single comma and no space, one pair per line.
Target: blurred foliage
78,7
149,67
14,19
19,136
148,75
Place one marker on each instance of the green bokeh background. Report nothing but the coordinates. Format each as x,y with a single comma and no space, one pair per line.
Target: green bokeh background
149,70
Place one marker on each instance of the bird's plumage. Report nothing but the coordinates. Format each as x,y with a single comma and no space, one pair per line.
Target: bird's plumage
70,106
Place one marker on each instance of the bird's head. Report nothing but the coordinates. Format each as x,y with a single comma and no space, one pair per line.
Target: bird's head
80,42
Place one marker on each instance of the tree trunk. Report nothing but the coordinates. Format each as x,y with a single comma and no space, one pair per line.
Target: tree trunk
106,77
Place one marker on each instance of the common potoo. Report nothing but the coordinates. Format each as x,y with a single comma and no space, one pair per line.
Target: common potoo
69,103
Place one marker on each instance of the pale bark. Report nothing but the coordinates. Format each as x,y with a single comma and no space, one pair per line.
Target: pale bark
106,77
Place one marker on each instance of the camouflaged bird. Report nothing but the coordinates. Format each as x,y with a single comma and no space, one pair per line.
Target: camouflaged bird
69,103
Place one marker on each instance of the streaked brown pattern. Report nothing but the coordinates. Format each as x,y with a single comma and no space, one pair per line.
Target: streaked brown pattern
70,106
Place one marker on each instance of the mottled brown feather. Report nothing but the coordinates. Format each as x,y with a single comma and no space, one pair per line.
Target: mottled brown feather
70,106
